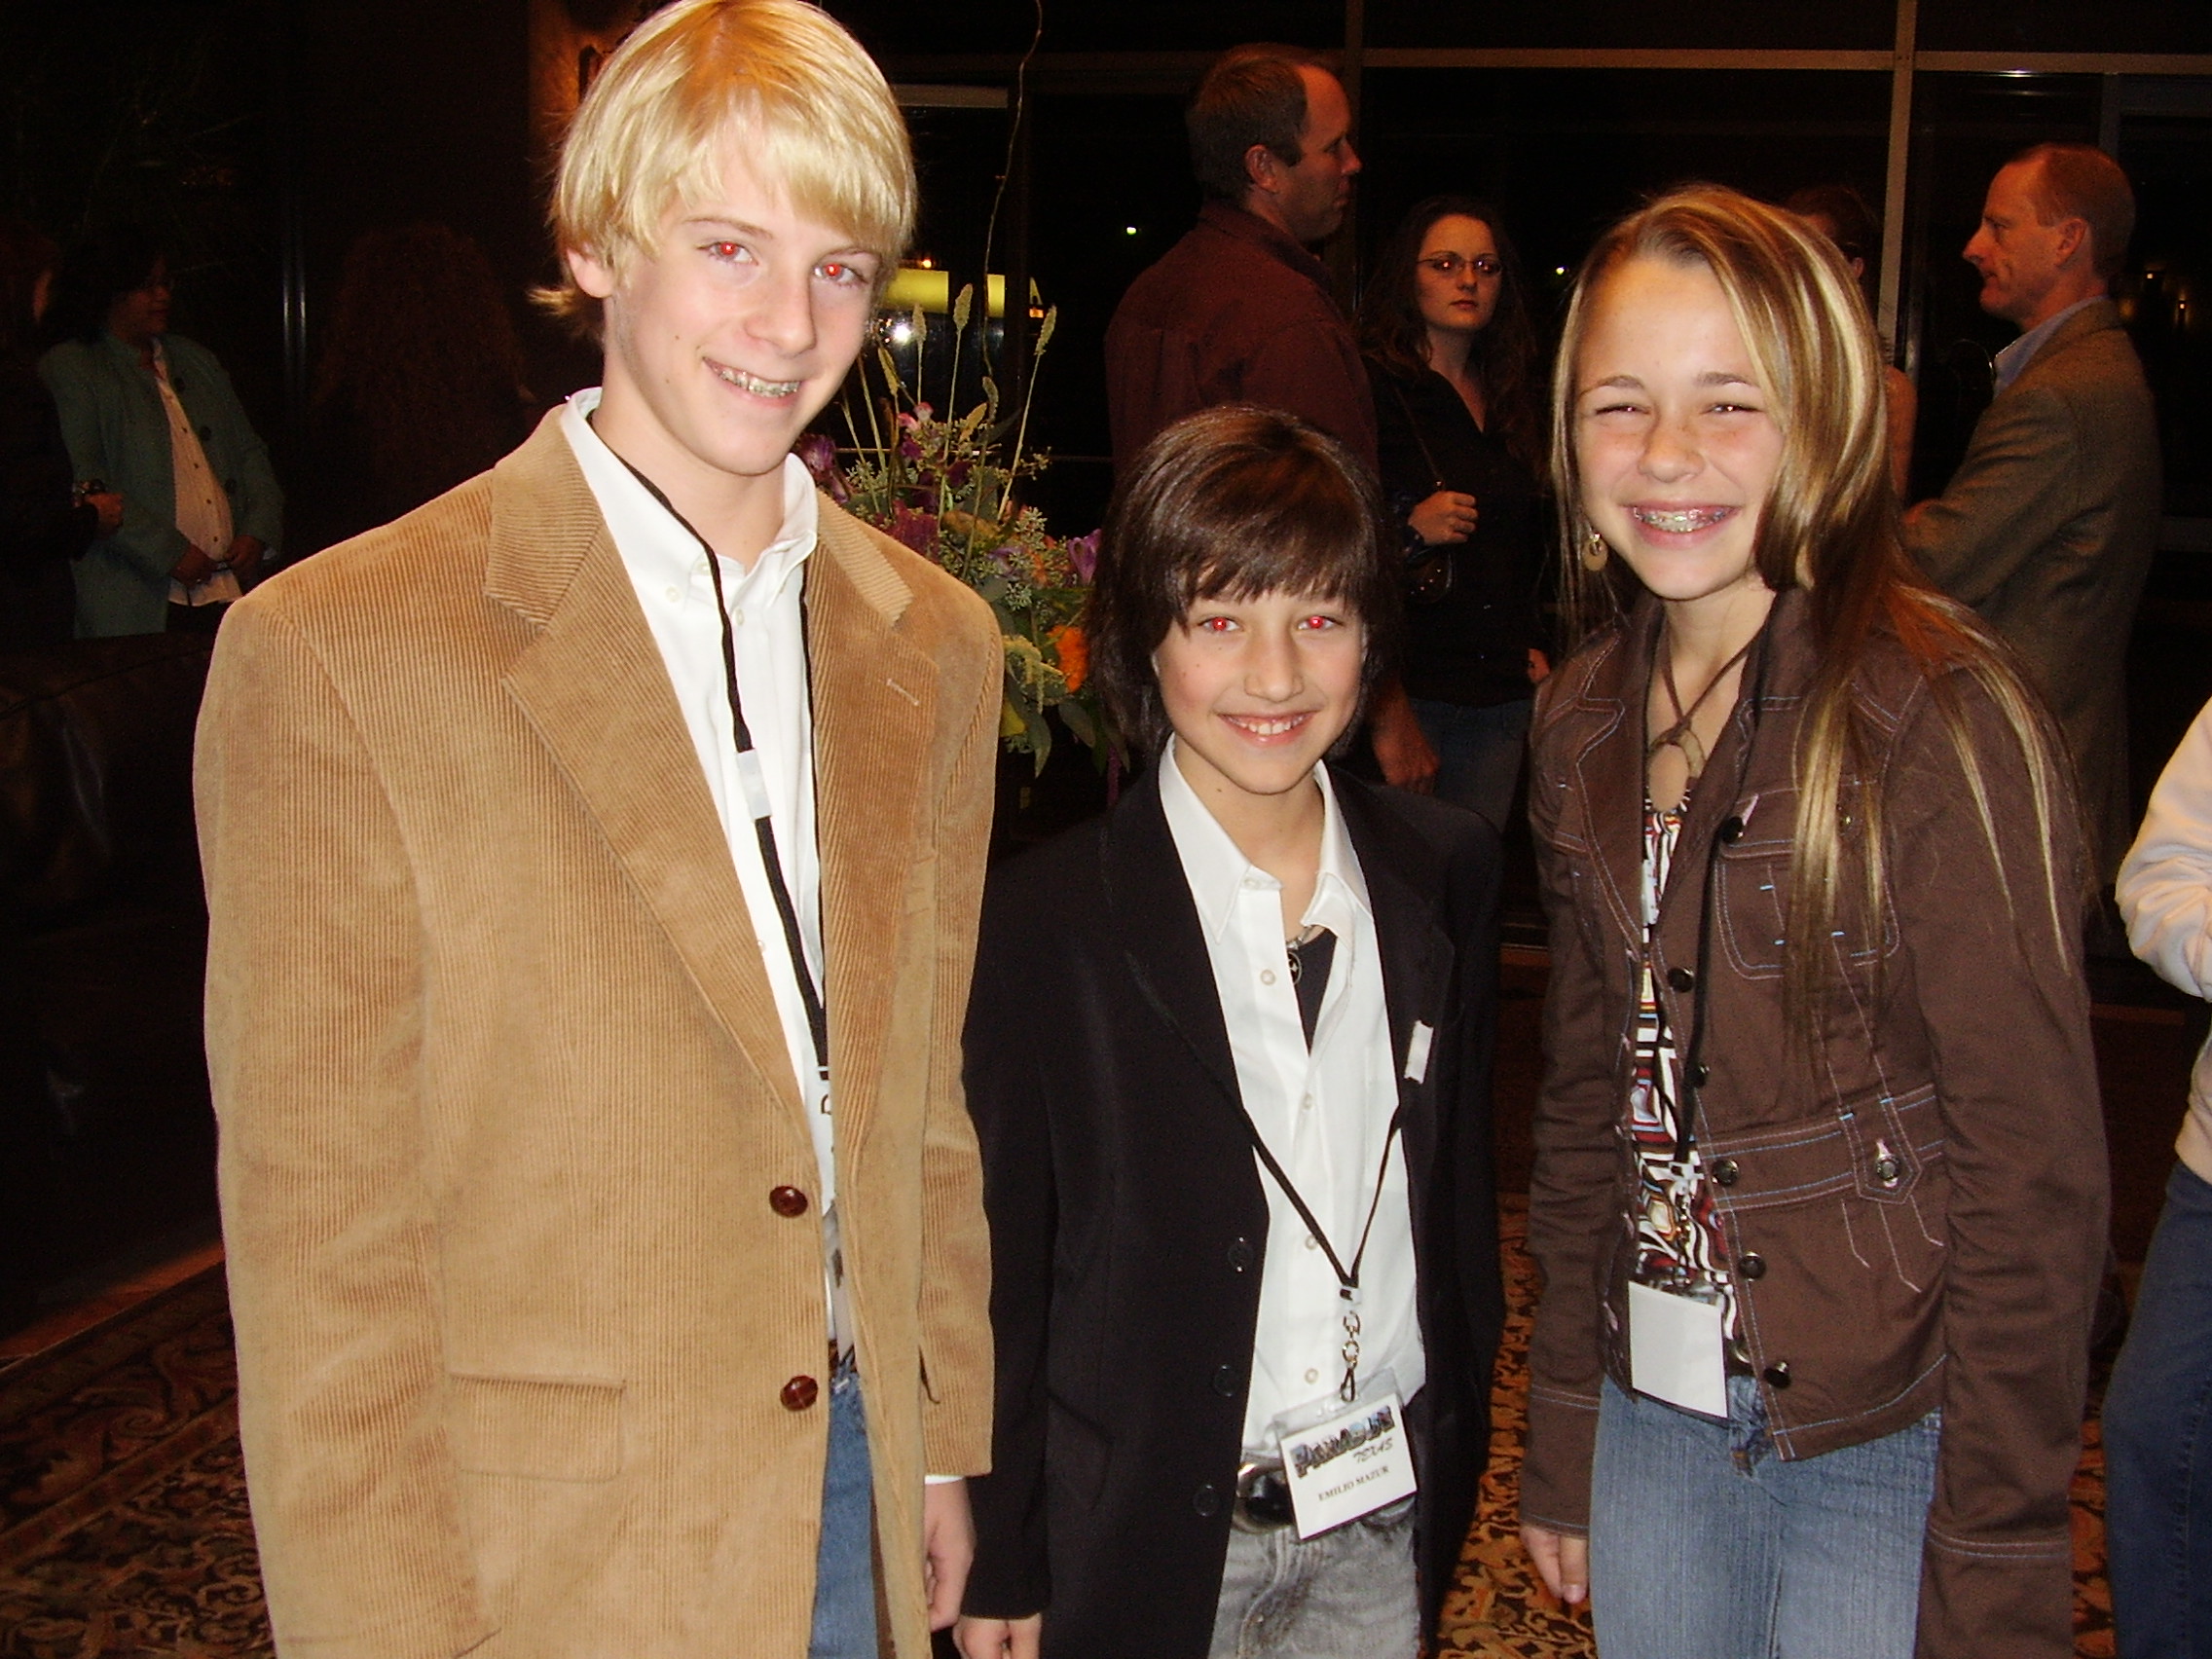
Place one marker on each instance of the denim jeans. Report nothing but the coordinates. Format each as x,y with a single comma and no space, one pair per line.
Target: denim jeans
2157,1422
1479,752
845,1563
1705,1545
1350,1594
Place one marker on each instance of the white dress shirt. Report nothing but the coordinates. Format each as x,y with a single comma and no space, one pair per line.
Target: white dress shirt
202,506
1323,1111
677,592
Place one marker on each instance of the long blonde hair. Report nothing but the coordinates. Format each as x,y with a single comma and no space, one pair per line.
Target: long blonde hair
1829,525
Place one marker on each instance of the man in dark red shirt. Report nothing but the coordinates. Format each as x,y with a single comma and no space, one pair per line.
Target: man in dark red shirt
1238,310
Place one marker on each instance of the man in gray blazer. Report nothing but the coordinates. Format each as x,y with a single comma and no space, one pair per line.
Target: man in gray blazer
2048,525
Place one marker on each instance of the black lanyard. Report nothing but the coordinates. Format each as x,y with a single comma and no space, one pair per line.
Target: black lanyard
1347,1279
755,788
1692,1068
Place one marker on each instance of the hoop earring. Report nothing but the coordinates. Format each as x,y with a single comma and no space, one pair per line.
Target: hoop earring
1594,553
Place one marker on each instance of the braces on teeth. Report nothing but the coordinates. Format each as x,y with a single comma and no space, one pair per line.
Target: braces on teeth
1687,519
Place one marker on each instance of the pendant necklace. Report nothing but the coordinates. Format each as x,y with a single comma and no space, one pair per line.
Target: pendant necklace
1679,735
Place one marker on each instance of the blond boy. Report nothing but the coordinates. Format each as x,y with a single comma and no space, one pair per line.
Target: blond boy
593,859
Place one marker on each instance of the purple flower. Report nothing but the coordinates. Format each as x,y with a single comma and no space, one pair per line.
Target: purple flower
1082,554
915,530
820,455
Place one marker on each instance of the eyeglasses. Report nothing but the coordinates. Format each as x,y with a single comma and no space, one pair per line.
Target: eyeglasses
1449,264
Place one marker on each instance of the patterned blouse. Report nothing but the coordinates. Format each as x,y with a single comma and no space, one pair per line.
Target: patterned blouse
1678,1243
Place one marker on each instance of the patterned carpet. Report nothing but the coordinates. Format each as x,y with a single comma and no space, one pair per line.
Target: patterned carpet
124,1530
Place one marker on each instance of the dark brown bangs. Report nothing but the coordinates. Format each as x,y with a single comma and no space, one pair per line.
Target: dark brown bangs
1232,504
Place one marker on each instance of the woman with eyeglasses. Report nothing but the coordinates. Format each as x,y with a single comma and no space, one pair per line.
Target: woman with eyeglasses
1453,363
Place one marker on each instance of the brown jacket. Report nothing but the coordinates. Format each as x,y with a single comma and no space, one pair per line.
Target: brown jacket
503,1094
1931,1210
2047,529
1234,313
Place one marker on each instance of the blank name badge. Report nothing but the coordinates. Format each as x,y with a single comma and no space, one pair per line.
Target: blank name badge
1674,1350
1352,1462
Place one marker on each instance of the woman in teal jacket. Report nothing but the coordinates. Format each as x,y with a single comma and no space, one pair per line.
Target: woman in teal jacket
118,429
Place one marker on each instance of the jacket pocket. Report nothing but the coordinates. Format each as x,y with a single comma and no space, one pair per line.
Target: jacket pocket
539,1428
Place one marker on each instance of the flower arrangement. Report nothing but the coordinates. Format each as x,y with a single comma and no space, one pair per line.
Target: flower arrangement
946,489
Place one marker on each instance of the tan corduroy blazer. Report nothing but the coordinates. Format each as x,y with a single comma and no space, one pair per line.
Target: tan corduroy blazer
503,1094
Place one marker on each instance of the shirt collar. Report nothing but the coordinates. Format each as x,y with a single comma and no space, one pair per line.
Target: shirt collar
1218,872
1249,227
652,540
2015,356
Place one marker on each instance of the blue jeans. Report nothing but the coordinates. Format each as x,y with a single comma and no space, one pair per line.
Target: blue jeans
1350,1594
1478,752
2157,1422
844,1565
1705,1545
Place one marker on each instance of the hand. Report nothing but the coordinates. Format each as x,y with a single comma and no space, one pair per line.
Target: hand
1401,747
109,506
1449,515
194,568
1563,1560
999,1638
1540,667
948,1549
245,557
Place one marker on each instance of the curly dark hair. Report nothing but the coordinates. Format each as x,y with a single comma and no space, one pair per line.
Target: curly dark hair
1503,356
1232,502
422,352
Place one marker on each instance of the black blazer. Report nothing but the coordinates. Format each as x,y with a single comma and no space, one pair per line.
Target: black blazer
1128,1226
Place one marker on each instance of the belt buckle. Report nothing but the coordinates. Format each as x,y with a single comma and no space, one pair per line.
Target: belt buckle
1262,1496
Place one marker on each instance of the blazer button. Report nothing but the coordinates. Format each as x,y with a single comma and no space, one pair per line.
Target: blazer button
1241,1255
1777,1375
1724,1172
1680,979
1731,829
787,1200
1225,1381
1206,1500
1752,1265
799,1393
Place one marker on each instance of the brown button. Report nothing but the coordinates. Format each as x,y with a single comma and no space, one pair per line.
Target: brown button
1752,1267
801,1392
787,1200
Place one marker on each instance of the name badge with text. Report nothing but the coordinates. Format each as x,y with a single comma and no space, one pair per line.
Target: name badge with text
1352,1462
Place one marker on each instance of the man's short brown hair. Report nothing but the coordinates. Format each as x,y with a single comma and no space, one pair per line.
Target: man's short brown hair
1252,95
2080,181
1232,502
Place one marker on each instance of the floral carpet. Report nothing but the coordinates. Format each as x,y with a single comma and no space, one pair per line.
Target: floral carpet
124,1530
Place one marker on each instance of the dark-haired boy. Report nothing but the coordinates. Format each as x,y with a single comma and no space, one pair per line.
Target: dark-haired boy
1228,1054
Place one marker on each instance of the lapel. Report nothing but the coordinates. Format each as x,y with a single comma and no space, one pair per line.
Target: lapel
2092,319
1607,765
592,685
1404,886
1156,925
875,694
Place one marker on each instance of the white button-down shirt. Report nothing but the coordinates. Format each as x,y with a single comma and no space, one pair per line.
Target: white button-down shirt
668,570
1324,1111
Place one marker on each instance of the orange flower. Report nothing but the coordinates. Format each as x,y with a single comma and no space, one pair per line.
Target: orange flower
1074,654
